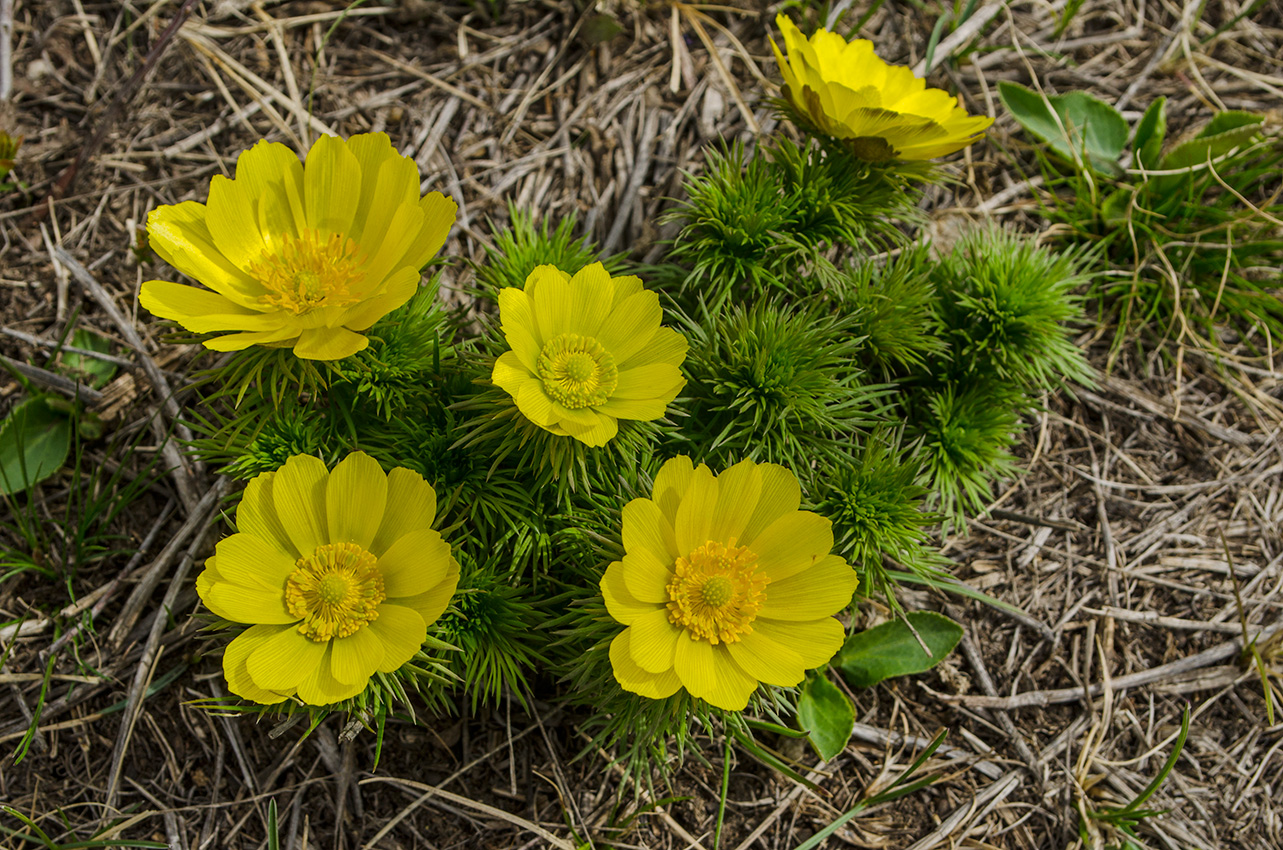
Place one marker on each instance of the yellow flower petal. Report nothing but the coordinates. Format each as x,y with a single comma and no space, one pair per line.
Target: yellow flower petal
321,688
200,311
640,409
781,494
647,382
414,563
671,484
654,641
766,660
738,489
398,239
331,184
695,516
626,286
241,341
387,181
795,542
353,659
646,577
710,674
666,346
272,173
285,659
621,604
402,631
631,325
816,641
646,529
550,303
509,374
518,324
819,591
432,603
181,237
535,405
298,494
633,678
355,496
234,669
411,506
244,604
439,213
256,515
329,344
599,433
254,563
233,223
398,289
591,294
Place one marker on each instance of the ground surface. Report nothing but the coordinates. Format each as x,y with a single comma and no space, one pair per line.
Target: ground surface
1117,542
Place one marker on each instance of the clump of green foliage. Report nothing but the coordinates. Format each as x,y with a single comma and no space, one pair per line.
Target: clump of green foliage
1183,232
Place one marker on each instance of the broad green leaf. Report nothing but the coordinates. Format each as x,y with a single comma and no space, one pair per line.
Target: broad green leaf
599,28
1075,125
1224,132
1147,147
890,649
34,442
826,714
96,372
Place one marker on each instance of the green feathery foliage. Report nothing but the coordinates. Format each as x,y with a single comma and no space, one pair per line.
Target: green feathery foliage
893,308
773,383
1007,308
876,502
523,246
966,434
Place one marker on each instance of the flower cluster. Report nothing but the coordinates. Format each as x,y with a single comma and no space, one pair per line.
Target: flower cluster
452,504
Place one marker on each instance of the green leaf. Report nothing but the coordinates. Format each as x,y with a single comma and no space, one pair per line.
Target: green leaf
826,714
34,442
1227,130
891,649
96,372
599,28
1147,147
1075,125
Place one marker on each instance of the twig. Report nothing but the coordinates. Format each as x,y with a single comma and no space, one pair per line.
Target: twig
6,48
32,339
1206,658
53,381
198,518
147,664
107,122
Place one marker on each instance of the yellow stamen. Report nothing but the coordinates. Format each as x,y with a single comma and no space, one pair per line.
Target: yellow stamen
309,271
336,590
577,371
717,592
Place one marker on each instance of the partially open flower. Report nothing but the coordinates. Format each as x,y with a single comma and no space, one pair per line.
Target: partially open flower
339,574
587,351
724,584
882,112
302,255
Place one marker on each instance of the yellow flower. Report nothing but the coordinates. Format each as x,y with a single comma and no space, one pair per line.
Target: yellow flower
339,574
587,351
882,111
724,584
299,255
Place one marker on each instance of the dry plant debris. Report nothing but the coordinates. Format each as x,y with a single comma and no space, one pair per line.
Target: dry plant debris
1142,541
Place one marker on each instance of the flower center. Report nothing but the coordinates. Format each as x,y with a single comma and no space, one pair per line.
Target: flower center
717,592
310,270
577,372
336,590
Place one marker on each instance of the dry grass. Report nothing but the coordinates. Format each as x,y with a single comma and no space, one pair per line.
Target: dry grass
1118,542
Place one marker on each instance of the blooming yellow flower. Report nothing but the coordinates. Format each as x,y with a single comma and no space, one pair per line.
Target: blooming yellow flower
587,351
882,111
724,584
339,574
303,255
